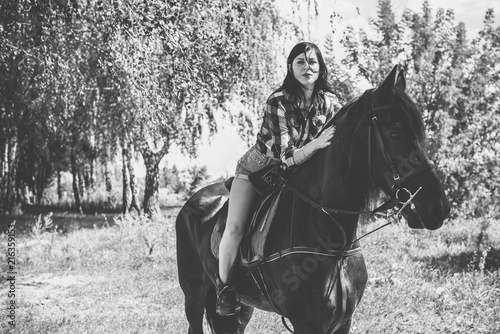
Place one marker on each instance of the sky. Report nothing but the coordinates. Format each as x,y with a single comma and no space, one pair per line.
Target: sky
223,151
471,12
358,12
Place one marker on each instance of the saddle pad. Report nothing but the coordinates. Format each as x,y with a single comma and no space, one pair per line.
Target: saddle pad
205,203
252,247
218,230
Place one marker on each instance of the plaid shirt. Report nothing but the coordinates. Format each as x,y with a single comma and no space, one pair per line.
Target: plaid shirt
284,122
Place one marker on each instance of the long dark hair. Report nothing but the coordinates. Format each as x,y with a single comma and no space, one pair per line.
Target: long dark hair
292,86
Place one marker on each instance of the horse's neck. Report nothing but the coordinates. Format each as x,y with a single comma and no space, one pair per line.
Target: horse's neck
327,182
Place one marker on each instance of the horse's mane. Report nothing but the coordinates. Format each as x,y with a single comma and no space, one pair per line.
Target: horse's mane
353,124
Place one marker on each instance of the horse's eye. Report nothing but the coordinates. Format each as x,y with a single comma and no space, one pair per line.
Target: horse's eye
395,134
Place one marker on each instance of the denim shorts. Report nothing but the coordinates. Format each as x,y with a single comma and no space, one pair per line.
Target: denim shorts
252,161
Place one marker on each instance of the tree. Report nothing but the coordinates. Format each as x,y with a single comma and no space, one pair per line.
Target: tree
197,54
340,79
478,126
386,23
189,48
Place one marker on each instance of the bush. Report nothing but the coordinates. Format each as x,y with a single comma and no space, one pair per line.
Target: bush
185,181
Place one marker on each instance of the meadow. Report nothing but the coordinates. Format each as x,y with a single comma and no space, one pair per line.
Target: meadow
120,276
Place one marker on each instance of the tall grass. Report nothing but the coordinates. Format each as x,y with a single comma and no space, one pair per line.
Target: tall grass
122,278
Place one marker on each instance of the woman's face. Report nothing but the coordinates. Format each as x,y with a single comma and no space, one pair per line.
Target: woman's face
305,68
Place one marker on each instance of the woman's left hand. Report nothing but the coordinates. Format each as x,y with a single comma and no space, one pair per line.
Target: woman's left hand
325,138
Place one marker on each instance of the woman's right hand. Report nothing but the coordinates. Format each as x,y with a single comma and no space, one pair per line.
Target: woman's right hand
325,138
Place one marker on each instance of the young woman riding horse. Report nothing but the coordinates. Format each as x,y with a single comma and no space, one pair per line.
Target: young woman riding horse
295,113
313,271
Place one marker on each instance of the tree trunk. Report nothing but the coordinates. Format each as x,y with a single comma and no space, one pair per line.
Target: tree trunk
134,203
86,176
81,185
151,205
107,178
152,162
59,185
107,175
92,173
40,184
3,176
76,191
10,175
126,178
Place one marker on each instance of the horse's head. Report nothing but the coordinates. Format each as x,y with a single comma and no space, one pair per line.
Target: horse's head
392,134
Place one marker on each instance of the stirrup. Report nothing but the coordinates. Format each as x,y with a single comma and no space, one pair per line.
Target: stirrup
228,302
228,299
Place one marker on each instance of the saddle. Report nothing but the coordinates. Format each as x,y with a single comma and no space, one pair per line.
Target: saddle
269,186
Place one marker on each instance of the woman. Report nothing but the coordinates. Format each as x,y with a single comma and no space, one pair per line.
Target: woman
295,113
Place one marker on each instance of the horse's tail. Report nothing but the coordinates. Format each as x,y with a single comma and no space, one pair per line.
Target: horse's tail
217,323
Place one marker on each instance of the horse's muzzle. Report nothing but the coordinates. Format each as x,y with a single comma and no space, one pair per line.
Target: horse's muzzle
430,220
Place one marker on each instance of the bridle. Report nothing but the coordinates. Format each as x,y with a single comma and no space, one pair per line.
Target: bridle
399,195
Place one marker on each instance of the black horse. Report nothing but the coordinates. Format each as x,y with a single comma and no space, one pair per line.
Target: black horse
313,272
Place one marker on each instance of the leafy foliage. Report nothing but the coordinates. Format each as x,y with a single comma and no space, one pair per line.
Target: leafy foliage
454,81
80,79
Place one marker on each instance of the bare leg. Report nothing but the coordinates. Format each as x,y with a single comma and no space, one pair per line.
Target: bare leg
240,203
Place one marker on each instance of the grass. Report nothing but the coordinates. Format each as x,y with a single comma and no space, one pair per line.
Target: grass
431,282
121,277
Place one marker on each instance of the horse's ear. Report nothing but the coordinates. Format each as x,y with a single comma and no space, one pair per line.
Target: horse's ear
395,79
400,80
